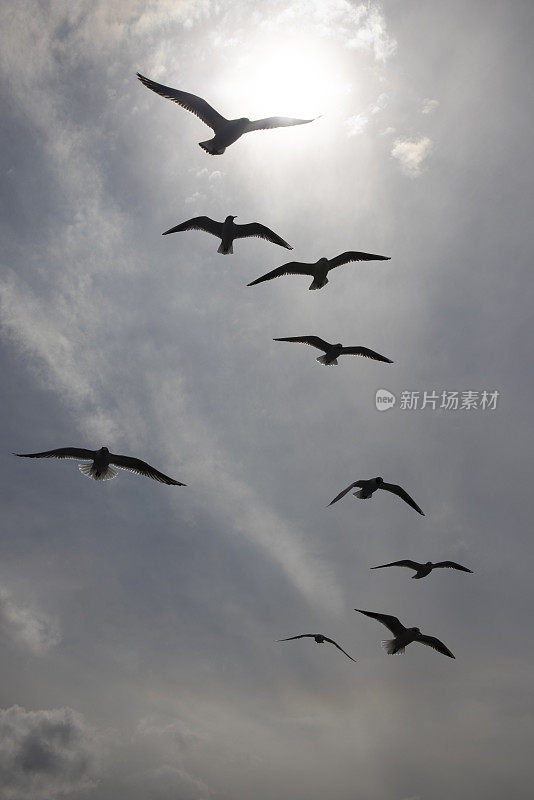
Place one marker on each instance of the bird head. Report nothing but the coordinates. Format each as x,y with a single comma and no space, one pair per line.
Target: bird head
104,450
414,630
428,564
230,217
379,480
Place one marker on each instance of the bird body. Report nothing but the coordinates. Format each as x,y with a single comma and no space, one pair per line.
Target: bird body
227,131
366,489
100,460
319,638
404,636
422,570
318,270
333,351
228,230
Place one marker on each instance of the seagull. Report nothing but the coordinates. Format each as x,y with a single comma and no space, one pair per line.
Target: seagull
368,488
319,269
422,570
227,131
332,351
404,636
99,469
319,638
227,231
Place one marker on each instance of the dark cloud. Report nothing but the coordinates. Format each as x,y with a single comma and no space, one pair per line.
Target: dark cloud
45,754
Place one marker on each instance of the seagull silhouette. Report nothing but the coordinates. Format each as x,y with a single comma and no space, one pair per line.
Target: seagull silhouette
404,636
227,231
99,469
319,638
333,351
422,570
369,487
319,269
227,131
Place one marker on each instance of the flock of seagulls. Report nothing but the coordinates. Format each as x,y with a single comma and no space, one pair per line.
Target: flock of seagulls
98,464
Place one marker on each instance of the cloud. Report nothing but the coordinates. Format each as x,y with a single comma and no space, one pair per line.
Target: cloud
429,106
26,626
411,154
356,124
372,34
45,754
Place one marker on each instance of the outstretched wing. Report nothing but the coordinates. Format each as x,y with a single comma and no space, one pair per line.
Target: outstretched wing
77,453
196,105
405,563
399,491
353,255
142,468
339,648
198,224
276,122
301,636
262,232
344,492
313,341
365,352
431,641
291,268
392,623
452,565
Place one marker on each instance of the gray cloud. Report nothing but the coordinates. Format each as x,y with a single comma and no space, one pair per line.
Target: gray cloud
45,754
27,626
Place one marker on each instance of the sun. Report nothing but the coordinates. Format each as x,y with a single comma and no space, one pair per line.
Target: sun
295,78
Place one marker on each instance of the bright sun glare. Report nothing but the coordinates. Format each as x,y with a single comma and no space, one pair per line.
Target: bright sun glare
296,79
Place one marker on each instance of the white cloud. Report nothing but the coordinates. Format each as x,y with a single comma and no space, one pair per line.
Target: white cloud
45,754
26,626
356,124
429,106
411,154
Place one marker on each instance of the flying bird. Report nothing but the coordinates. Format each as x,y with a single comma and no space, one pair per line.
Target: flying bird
227,231
422,570
368,488
333,351
99,469
404,636
319,269
319,638
227,131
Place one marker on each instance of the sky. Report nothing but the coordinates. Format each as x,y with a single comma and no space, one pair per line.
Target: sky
138,622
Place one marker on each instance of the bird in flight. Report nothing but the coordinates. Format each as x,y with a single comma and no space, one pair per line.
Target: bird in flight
368,488
227,131
319,638
333,351
319,269
99,467
422,570
404,636
227,231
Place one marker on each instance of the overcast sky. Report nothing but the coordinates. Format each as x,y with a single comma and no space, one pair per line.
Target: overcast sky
138,621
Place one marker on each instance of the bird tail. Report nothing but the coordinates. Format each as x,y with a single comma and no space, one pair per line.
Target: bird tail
324,360
91,471
210,148
318,283
225,249
390,646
